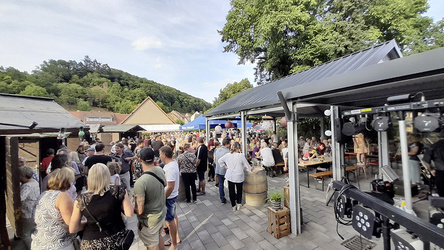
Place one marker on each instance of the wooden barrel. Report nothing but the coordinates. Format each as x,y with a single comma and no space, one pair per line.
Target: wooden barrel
255,199
255,188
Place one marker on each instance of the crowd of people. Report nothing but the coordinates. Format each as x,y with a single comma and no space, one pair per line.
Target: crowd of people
87,194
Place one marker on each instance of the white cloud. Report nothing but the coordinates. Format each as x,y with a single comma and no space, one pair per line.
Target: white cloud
146,43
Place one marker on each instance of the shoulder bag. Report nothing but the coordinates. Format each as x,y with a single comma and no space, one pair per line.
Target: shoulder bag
128,235
155,176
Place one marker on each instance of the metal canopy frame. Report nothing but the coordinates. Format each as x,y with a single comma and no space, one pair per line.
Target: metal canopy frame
358,88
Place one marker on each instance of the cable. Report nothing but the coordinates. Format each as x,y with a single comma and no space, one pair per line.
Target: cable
340,220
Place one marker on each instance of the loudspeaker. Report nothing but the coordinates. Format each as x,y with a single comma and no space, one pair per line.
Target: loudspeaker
338,129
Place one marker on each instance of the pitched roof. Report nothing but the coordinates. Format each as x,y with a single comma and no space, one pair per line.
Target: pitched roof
19,112
265,95
147,113
83,115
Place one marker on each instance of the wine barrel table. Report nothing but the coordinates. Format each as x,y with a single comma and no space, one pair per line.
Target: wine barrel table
255,188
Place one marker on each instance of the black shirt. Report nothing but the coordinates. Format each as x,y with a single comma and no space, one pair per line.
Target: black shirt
436,154
106,210
156,146
125,164
97,159
202,154
277,156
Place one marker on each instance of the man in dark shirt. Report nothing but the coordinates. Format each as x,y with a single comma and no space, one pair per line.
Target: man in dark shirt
201,163
99,157
157,144
436,154
124,157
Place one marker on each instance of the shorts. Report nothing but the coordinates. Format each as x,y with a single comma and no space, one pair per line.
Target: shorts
201,175
150,236
171,209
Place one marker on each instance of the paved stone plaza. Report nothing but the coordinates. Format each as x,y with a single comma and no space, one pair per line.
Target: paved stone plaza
212,225
209,225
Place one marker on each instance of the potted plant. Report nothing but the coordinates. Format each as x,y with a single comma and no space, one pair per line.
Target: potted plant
275,198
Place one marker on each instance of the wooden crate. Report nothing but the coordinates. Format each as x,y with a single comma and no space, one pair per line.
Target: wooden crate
279,222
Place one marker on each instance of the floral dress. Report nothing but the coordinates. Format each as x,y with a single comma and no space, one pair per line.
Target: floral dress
51,231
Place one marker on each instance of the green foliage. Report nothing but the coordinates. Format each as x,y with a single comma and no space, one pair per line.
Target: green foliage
179,122
34,90
231,90
276,195
287,36
71,81
83,105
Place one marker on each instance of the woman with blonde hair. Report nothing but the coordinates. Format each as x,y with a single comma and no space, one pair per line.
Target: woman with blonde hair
101,205
53,213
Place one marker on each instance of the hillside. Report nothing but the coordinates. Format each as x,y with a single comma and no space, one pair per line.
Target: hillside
89,84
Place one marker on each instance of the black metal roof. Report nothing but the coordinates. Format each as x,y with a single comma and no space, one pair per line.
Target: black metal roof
370,86
18,112
265,95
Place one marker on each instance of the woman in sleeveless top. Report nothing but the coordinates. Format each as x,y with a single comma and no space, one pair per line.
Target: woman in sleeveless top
53,213
102,203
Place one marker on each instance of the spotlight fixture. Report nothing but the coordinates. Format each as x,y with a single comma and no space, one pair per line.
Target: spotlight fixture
426,123
381,123
363,221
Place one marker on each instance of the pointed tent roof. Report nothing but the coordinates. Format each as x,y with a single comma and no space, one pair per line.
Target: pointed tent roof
265,95
147,113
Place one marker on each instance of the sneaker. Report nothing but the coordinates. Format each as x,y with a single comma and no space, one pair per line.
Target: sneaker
188,202
234,209
216,185
224,202
194,201
201,193
198,191
239,206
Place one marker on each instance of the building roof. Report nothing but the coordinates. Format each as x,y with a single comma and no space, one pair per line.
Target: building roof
421,73
83,115
122,128
18,112
265,95
147,113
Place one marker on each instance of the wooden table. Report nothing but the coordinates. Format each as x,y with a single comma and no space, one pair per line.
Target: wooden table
313,164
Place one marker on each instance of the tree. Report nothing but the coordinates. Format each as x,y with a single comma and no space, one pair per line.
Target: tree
34,90
83,105
231,90
288,36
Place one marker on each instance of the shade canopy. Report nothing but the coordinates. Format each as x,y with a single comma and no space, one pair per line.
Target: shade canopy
200,123
265,95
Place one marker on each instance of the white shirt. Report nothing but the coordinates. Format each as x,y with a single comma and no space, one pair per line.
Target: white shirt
274,138
284,152
236,163
172,174
267,157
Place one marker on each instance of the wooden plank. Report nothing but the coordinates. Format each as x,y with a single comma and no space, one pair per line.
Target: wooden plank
3,230
13,203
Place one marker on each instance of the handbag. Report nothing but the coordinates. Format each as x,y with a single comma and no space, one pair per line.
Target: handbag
128,235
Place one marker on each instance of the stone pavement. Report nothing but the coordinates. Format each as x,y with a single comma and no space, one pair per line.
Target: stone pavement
208,224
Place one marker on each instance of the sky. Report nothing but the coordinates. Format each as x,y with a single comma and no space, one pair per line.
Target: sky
172,42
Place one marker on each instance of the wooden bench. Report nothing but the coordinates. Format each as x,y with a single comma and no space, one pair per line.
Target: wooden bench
330,172
271,171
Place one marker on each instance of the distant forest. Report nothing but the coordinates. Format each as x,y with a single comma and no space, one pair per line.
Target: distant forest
74,83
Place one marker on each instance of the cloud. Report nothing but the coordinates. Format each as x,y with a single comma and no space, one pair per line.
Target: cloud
146,43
